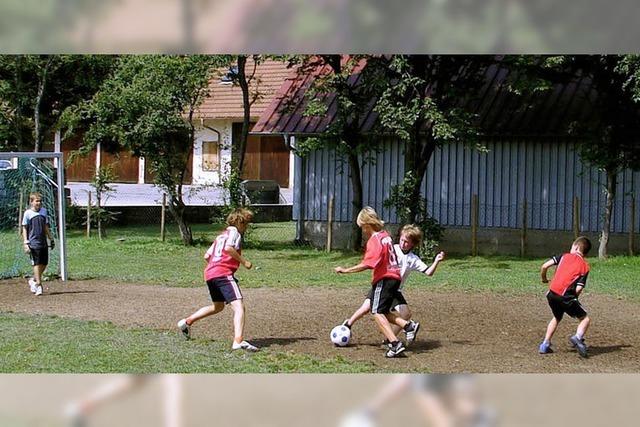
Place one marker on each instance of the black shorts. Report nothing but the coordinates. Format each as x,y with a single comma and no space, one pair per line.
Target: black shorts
39,256
397,300
383,294
224,289
565,304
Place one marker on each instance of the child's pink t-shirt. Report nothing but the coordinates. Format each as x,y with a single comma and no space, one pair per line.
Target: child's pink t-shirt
220,262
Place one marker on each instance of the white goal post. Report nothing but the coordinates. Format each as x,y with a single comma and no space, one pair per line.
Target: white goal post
15,160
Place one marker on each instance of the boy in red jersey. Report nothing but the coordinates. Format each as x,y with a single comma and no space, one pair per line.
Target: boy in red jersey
380,256
567,284
224,258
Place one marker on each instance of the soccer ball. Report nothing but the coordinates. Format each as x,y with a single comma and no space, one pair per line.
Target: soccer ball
340,335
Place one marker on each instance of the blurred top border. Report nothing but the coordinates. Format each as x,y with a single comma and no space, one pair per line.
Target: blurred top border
325,26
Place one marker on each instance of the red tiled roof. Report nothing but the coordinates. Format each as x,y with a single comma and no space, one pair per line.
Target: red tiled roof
225,100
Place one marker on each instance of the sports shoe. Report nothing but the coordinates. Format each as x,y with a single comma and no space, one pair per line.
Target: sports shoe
346,323
545,348
38,291
244,345
412,331
579,344
184,328
33,285
395,350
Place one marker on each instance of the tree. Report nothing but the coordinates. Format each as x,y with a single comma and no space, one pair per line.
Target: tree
148,107
349,82
609,140
35,89
424,103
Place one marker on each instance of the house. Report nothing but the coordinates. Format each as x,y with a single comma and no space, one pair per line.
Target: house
530,189
219,123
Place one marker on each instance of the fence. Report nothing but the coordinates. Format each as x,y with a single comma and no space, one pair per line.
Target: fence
525,218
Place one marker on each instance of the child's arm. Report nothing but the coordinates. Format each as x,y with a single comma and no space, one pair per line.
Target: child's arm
209,252
47,231
25,239
544,268
233,253
582,281
436,261
355,269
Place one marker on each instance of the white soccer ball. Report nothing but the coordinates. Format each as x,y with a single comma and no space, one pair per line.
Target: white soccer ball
340,335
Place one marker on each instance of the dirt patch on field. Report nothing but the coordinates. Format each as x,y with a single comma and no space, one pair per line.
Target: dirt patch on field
461,332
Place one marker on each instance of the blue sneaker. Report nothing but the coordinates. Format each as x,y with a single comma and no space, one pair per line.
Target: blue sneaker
579,344
545,348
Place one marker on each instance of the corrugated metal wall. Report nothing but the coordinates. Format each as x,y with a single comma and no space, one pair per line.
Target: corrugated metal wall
546,174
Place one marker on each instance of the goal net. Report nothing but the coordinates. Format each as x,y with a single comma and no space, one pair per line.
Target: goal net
20,175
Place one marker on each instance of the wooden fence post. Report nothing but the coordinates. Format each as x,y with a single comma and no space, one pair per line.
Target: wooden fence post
474,225
88,214
162,216
576,217
20,213
632,226
523,233
330,224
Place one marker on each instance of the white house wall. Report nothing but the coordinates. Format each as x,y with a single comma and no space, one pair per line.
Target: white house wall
205,133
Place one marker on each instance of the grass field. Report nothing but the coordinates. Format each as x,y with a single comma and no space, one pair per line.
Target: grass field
52,344
135,255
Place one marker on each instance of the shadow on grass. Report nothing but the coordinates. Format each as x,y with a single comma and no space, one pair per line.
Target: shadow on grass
598,350
422,346
69,292
268,342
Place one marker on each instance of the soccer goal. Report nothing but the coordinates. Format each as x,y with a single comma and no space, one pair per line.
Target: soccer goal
20,175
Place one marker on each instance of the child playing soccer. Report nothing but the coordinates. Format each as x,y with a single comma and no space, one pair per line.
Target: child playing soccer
565,288
35,230
224,257
381,257
410,237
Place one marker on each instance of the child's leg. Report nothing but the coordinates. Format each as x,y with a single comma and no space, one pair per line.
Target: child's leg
216,307
238,320
385,327
583,326
551,329
37,272
364,309
404,312
396,320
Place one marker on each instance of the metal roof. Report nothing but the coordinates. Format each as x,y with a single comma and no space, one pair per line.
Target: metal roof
498,110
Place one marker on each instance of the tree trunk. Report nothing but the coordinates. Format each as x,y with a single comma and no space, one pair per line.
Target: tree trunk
355,176
177,208
608,212
246,105
37,132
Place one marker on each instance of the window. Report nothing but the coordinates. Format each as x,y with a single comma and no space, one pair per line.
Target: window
210,156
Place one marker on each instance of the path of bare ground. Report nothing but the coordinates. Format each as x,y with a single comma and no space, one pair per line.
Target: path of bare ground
462,332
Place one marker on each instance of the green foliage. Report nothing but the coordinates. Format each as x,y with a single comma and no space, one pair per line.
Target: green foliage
400,199
48,84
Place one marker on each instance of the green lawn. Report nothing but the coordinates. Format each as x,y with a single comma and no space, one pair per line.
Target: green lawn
32,344
135,254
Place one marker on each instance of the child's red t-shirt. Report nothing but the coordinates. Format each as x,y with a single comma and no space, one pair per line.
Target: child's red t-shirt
380,256
572,271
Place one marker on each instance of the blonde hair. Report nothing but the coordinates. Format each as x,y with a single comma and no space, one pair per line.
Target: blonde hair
369,216
413,233
239,216
34,195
